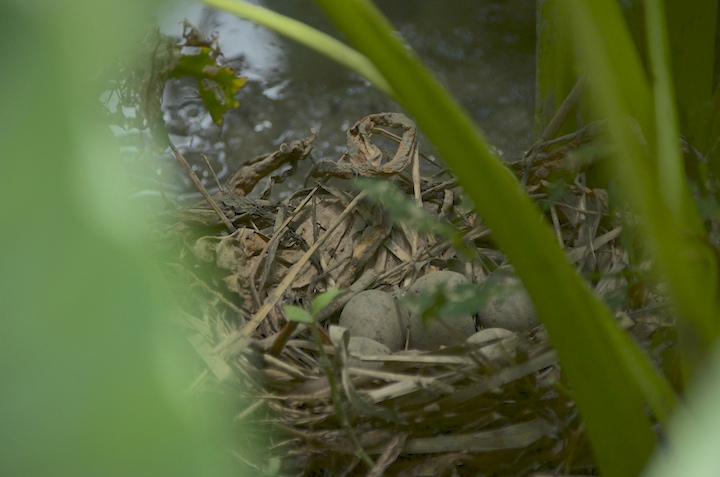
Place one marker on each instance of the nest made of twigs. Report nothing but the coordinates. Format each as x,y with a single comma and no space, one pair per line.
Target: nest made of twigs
453,411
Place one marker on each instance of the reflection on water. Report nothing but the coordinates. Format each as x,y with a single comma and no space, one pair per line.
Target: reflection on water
482,50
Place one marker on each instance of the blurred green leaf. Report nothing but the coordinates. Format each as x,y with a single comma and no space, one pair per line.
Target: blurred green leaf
555,75
403,210
695,432
670,167
641,123
297,314
92,374
323,299
691,58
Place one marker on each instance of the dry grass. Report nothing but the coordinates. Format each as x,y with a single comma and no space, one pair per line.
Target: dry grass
446,412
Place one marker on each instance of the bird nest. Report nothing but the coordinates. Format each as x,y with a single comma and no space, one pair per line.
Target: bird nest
493,407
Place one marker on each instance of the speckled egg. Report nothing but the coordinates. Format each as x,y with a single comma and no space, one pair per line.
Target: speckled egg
373,314
453,330
508,305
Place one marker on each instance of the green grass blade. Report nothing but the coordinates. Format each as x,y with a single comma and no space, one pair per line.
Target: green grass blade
695,433
670,169
609,375
691,30
555,74
672,230
670,165
309,37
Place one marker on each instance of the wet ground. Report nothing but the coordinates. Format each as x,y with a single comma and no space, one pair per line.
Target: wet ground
482,51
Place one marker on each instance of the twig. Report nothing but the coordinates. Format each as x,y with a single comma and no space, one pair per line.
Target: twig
555,125
193,177
563,111
212,171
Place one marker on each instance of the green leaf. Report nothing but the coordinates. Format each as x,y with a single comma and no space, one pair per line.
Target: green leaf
694,433
297,314
555,72
670,166
217,84
323,299
691,42
655,188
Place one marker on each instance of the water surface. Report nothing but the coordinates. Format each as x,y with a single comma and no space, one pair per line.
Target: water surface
481,50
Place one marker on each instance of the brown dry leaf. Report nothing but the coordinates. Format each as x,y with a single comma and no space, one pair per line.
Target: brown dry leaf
610,268
246,178
204,248
229,252
338,246
363,249
237,283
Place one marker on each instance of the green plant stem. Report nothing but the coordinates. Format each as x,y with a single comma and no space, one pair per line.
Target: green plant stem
670,166
555,74
690,38
670,224
671,174
310,37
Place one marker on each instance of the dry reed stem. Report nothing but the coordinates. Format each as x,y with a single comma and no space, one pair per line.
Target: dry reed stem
191,174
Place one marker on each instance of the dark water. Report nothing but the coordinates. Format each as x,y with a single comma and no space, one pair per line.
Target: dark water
481,50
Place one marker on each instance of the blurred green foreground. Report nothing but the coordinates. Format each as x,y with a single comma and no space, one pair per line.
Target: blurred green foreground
87,384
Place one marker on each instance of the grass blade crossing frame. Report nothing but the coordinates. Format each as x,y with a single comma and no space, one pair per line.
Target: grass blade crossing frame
597,357
671,224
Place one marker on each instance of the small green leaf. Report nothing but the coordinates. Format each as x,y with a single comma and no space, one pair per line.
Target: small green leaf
323,299
297,314
217,84
402,209
431,309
